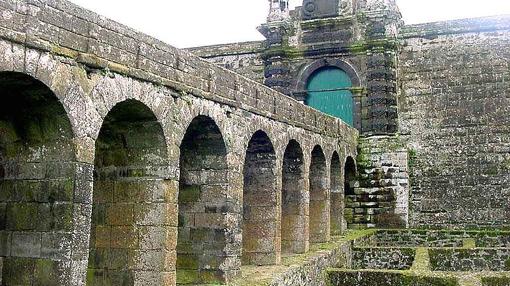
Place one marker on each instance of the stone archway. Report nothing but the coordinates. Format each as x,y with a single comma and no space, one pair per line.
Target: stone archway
345,85
37,184
133,214
203,205
336,196
261,214
294,229
349,194
319,197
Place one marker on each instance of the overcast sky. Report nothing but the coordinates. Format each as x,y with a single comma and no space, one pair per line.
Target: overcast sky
185,23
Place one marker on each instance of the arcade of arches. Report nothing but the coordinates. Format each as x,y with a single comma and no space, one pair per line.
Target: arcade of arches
140,228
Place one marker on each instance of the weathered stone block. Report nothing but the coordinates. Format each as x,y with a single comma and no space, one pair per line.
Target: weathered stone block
56,246
125,237
48,272
187,276
18,271
26,244
120,214
21,216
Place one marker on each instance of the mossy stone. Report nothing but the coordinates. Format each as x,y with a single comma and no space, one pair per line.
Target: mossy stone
189,194
188,276
46,272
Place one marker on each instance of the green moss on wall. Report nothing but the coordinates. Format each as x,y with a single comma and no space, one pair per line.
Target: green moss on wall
495,281
386,278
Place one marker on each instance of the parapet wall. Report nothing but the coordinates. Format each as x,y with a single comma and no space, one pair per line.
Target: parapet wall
242,58
454,112
63,28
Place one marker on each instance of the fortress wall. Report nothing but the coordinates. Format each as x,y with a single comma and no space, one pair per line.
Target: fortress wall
242,58
454,112
130,101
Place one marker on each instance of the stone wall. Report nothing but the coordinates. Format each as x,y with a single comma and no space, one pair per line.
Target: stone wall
454,115
469,260
242,58
105,158
381,189
382,258
438,238
419,238
426,257
367,278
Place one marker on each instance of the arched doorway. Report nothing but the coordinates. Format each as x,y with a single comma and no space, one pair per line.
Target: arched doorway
349,194
261,215
203,205
319,197
294,229
131,215
37,179
329,90
336,196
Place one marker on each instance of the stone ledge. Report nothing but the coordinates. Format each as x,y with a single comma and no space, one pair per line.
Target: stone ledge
461,26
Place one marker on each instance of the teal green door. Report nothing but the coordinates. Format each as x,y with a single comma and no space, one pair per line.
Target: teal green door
329,91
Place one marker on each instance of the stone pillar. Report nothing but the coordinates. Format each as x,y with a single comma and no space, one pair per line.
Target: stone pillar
381,81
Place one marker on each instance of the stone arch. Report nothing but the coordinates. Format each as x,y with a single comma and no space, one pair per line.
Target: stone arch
349,194
110,90
134,209
294,228
261,214
319,197
336,196
37,181
59,77
203,205
311,68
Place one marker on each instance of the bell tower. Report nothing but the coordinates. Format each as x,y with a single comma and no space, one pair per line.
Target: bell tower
278,10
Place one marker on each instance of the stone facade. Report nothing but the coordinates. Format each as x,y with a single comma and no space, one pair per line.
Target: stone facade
431,101
453,106
125,161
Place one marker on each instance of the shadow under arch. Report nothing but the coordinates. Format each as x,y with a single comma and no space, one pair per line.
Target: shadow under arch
38,175
203,232
261,220
350,174
336,196
319,197
132,203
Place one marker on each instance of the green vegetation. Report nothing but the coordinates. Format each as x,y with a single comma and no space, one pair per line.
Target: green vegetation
421,261
495,281
469,243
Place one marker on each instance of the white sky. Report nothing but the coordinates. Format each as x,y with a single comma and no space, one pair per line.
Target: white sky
185,23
